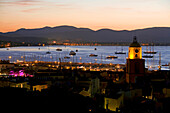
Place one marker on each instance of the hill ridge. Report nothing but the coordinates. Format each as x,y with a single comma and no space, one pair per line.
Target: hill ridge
72,33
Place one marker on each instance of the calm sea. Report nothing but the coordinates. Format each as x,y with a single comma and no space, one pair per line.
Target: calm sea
38,53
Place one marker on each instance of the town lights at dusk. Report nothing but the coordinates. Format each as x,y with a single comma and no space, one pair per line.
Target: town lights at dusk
85,56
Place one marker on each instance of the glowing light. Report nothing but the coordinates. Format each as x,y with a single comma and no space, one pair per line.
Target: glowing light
10,57
118,66
81,67
54,42
132,53
20,73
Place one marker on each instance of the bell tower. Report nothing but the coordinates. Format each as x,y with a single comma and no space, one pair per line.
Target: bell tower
135,65
135,50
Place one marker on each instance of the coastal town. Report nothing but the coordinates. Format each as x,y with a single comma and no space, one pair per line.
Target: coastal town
68,56
88,87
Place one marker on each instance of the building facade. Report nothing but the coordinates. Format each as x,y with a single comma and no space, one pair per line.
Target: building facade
135,65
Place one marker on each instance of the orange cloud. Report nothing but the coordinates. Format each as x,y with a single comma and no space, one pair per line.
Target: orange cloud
32,10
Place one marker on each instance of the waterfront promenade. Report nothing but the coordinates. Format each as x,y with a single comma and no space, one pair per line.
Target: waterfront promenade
73,65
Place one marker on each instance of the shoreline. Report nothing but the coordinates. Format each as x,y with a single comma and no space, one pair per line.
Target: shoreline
72,45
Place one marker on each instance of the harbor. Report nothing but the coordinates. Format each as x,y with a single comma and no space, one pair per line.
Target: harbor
59,74
84,55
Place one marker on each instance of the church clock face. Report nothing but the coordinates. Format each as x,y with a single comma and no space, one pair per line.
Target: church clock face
136,50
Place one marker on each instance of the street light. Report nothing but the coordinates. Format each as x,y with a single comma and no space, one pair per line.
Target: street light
9,58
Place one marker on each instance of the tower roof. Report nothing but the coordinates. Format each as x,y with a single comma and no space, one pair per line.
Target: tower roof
135,43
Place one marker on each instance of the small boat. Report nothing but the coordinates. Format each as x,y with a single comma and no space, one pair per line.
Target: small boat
166,65
93,55
112,57
66,57
72,53
39,48
58,49
120,52
95,48
48,52
147,56
7,49
150,52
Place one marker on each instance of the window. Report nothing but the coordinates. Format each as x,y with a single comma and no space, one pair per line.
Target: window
136,55
136,50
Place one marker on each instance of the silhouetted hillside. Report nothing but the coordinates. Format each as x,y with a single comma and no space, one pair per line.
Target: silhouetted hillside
62,33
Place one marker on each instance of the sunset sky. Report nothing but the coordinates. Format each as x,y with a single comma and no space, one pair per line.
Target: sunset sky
94,14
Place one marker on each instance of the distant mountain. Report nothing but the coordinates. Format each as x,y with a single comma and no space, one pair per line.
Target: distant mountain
62,33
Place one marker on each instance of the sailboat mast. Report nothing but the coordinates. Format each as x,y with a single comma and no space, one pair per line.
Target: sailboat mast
48,48
24,57
150,48
159,60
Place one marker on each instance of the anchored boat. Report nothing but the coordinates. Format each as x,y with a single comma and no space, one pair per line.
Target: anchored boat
93,55
112,57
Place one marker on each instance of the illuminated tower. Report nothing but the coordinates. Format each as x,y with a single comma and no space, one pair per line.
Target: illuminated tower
135,65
